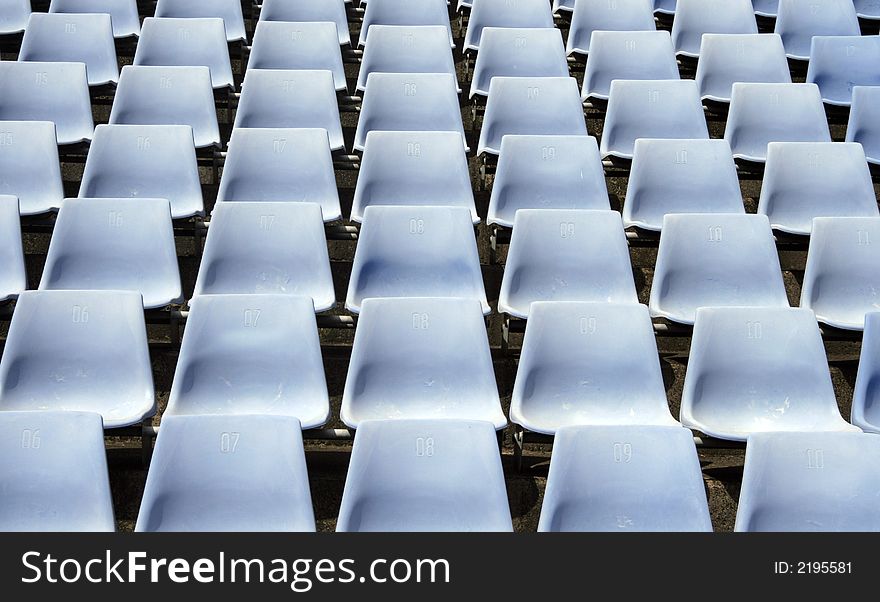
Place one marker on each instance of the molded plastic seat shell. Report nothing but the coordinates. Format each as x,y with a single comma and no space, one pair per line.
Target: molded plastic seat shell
664,7
405,12
601,15
867,9
839,63
563,5
694,18
588,363
425,475
627,55
79,351
309,46
406,49
13,278
505,13
123,13
758,369
766,8
864,121
798,26
729,58
866,395
515,52
228,10
624,478
29,165
14,16
186,43
309,11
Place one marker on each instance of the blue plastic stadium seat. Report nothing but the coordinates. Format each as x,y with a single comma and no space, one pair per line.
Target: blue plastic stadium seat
758,369
763,113
57,92
251,354
602,15
144,161
123,13
416,252
309,11
256,248
515,52
546,172
803,180
766,8
825,482
627,55
54,473
505,13
864,121
563,5
588,363
729,58
186,43
425,475
405,12
13,278
693,18
867,9
421,358
227,473
406,49
141,236
73,38
413,168
664,7
839,63
797,22
625,478
651,109
286,45
842,279
680,176
866,395
281,165
409,102
79,350
281,98
566,255
531,105
29,165
715,260
168,96
228,10
14,16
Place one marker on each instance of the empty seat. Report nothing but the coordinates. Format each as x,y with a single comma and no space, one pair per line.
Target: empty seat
405,12
842,279
186,43
797,23
168,96
425,475
756,369
651,109
228,10
13,278
865,403
54,473
693,18
515,52
73,38
285,45
627,55
227,473
729,58
867,9
838,63
624,478
309,11
255,248
57,92
409,102
505,13
281,98
588,363
144,161
763,113
766,8
281,165
421,358
14,16
531,105
803,180
416,252
864,121
79,350
601,15
413,168
406,49
141,236
680,176
546,172
123,13
826,482
715,260
251,354
566,255
29,165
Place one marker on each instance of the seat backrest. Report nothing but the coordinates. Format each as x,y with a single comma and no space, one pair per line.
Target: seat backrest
186,43
505,13
729,58
797,26
405,12
123,13
693,18
309,11
518,52
228,10
287,45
